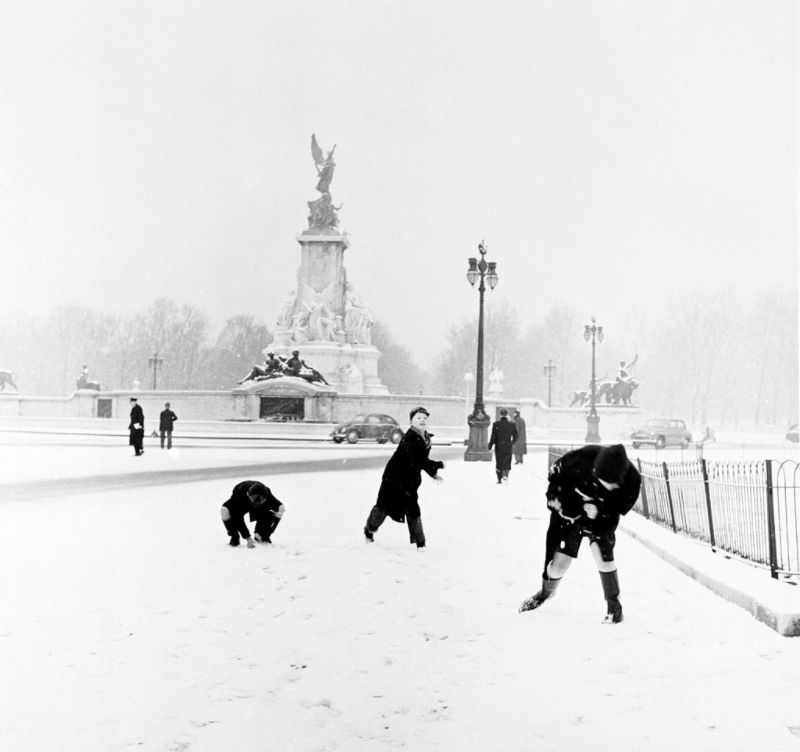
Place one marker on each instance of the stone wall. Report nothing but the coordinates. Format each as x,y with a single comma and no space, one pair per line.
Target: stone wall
562,424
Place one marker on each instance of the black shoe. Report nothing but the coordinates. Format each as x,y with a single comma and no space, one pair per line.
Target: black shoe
234,540
614,615
368,535
533,602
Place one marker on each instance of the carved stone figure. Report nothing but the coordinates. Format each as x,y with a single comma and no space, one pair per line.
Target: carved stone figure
7,378
357,319
285,317
83,381
320,322
579,398
495,381
323,212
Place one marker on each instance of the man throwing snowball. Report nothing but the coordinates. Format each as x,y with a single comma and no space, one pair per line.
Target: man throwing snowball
589,488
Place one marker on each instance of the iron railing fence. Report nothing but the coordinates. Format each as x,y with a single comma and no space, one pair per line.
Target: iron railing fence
748,509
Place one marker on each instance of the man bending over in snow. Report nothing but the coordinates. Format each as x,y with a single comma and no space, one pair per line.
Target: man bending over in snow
265,510
589,488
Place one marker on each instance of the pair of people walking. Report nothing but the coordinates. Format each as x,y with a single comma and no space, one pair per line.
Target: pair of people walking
166,424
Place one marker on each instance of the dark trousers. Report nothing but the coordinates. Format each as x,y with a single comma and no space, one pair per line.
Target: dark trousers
415,532
265,526
168,436
502,462
137,439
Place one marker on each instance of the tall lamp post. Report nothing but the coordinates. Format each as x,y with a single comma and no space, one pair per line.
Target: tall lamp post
155,363
549,370
593,333
479,421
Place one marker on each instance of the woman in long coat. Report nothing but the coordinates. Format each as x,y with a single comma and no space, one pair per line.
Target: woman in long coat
397,496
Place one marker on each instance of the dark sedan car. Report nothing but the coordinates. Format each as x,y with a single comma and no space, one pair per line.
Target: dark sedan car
659,432
377,426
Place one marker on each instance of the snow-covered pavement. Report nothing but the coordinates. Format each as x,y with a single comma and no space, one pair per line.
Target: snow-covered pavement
128,623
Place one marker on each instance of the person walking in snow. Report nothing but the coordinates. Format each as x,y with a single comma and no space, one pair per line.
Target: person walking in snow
397,496
588,489
166,422
504,434
521,444
136,428
253,497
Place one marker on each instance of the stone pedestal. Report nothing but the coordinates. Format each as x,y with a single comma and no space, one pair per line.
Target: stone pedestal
323,320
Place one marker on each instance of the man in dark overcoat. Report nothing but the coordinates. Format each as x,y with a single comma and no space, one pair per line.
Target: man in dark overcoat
521,444
136,428
166,422
504,434
397,496
254,498
588,489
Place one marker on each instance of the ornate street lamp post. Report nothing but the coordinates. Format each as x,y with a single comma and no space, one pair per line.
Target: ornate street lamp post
479,421
549,370
155,363
593,333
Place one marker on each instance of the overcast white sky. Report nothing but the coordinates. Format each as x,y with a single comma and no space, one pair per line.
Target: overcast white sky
609,153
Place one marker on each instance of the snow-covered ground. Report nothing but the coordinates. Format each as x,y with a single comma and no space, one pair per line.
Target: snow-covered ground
127,623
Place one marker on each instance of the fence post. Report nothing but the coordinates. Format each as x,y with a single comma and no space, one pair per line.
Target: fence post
708,505
773,550
645,510
669,498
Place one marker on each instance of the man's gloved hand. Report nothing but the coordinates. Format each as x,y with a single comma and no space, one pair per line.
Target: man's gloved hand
251,543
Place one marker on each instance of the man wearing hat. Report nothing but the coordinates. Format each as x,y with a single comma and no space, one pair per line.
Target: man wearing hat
397,496
136,427
504,434
166,422
588,489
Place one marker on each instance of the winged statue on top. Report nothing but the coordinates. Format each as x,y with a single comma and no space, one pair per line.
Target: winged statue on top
323,212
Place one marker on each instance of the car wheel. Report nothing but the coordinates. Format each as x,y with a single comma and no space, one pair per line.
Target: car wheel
636,444
684,444
661,442
352,436
397,437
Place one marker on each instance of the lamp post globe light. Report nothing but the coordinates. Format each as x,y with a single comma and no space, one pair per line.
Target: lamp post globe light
549,370
478,421
593,333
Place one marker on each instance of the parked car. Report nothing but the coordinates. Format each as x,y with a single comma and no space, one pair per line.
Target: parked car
660,432
792,433
376,426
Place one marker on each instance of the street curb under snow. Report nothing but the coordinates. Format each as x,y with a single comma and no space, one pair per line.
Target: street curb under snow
775,603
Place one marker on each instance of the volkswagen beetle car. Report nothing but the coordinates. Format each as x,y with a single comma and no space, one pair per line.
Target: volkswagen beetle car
377,426
660,432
